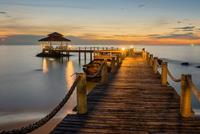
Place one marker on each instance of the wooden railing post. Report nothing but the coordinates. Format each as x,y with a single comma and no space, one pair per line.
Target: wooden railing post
185,102
143,53
104,74
147,57
119,60
82,95
151,60
129,52
113,67
164,74
155,65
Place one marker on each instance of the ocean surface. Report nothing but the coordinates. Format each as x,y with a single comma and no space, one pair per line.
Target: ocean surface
30,87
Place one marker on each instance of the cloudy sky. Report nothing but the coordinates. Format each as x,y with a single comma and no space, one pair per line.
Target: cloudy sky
102,21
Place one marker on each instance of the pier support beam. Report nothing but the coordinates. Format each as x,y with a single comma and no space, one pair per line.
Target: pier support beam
90,56
85,56
185,106
82,95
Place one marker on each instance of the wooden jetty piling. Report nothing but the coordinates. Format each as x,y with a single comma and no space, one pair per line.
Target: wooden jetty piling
82,95
155,65
164,74
144,53
151,59
147,58
185,107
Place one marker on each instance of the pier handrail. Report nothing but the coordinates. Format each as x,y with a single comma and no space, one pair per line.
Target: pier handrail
187,85
155,64
33,126
194,89
172,77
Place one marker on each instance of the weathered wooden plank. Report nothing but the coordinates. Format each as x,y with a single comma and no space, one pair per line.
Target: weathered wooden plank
133,102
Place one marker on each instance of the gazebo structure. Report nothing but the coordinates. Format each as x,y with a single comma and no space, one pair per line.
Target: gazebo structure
54,45
52,39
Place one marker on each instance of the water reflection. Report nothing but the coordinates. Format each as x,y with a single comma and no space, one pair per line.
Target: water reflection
45,68
69,77
46,88
69,71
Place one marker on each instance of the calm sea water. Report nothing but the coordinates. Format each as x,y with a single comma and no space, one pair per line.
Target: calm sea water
30,87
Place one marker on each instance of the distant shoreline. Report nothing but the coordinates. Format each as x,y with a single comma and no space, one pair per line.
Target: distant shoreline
108,45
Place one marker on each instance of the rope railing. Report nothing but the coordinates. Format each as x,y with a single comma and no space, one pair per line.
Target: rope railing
172,77
187,85
154,61
80,83
33,126
194,89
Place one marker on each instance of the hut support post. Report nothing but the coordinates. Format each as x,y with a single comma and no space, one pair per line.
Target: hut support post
85,57
82,95
185,106
90,53
90,56
164,74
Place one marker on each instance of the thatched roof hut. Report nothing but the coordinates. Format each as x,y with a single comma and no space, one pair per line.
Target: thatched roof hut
54,37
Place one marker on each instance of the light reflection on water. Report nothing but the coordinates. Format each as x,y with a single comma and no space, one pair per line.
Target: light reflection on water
45,66
31,87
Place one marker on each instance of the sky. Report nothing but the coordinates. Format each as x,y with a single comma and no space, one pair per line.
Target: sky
102,21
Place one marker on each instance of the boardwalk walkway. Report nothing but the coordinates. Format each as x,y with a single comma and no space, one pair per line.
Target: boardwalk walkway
132,102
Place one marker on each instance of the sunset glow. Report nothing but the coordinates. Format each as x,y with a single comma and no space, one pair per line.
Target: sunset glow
113,21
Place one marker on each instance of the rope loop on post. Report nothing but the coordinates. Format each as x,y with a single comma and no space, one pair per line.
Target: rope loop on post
172,77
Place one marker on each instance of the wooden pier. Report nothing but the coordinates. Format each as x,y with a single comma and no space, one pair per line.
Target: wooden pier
135,100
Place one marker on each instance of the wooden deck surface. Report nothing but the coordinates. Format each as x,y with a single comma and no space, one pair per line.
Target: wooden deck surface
132,102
